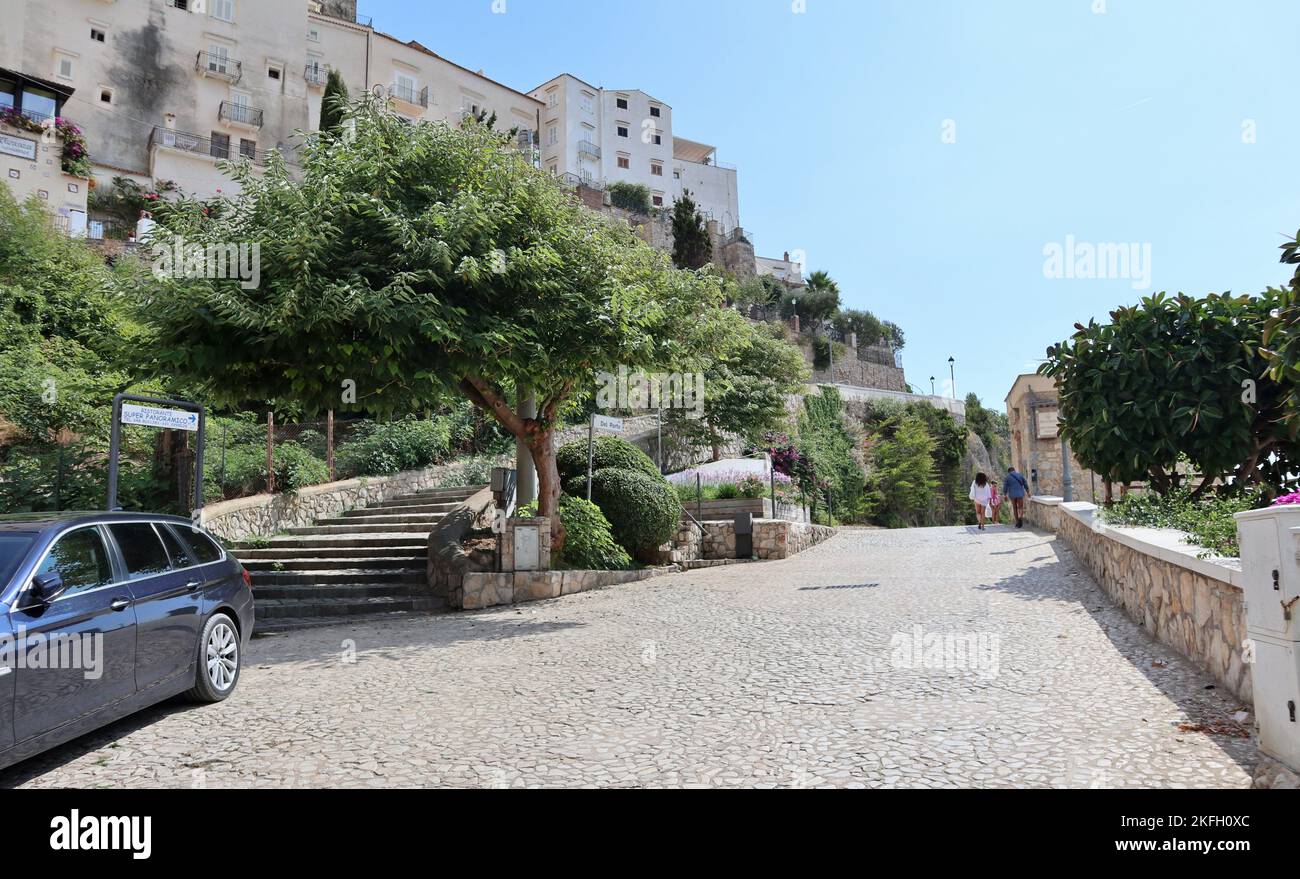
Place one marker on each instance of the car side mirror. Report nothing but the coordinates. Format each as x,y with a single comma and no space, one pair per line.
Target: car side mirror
47,587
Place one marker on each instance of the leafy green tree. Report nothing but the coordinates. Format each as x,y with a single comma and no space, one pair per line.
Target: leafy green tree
904,481
1170,379
813,304
333,103
751,373
633,197
408,261
825,440
851,320
692,245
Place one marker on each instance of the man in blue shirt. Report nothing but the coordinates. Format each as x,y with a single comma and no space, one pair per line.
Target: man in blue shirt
1016,488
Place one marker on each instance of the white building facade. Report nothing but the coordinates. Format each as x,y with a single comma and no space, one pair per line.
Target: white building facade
603,136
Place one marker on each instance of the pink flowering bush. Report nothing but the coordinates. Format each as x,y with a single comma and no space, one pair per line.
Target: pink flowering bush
1292,498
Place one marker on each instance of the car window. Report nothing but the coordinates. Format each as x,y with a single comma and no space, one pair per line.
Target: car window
81,559
199,543
13,549
181,555
141,549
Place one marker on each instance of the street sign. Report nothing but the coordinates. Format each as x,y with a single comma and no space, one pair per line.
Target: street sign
153,416
607,424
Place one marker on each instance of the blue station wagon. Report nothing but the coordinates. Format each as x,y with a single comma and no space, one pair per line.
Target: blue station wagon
106,613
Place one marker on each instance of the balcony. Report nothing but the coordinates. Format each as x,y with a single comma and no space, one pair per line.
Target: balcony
240,114
171,139
587,148
408,95
219,67
316,75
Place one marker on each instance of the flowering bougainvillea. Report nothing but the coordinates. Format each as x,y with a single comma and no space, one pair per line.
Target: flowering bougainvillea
1292,498
76,157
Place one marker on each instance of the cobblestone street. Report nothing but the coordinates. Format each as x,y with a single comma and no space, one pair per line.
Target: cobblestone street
775,674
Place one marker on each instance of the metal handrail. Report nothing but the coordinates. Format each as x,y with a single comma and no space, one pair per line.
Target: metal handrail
219,65
315,74
240,113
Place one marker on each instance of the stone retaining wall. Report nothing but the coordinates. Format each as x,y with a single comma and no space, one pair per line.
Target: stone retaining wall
479,591
268,514
773,539
1192,604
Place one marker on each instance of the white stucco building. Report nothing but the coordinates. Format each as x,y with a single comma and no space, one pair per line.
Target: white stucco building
603,136
163,89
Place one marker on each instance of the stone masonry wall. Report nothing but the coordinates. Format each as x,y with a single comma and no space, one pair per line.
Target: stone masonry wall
267,514
1199,615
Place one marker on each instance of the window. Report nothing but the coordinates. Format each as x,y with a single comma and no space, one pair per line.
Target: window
141,549
621,103
588,102
223,9
658,140
7,92
404,87
654,111
656,169
106,96
248,148
81,559
200,544
313,36
553,98
658,200
624,162
622,131
64,67
554,169
39,104
97,35
13,550
274,72
220,147
218,58
552,135
180,554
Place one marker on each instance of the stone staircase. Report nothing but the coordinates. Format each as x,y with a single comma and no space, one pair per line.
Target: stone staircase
368,564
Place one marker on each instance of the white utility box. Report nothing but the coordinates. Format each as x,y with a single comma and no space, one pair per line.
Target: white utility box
1271,575
1275,675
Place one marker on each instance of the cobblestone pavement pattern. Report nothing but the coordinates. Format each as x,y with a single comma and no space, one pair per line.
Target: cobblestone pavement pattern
775,674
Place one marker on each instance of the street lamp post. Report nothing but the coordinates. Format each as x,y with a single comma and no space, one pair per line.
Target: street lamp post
952,372
931,386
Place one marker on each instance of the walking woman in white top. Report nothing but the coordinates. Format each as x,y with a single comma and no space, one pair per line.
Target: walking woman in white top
981,492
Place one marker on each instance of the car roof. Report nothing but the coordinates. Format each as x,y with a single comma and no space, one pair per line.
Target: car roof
13,522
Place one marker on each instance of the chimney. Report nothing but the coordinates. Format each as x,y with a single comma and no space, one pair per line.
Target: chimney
787,256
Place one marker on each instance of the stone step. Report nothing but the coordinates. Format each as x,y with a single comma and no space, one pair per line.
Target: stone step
307,593
308,563
279,625
391,529
337,575
348,553
402,509
429,519
272,609
399,542
697,564
438,494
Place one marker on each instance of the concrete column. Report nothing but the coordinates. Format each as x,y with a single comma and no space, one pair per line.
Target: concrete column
526,490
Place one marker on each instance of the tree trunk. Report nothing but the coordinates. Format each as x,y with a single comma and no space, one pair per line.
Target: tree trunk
541,443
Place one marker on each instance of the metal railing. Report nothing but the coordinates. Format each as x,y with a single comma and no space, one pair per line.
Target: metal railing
240,114
587,148
409,95
212,64
171,139
315,74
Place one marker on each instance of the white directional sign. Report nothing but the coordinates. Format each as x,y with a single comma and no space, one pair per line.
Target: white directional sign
605,423
153,416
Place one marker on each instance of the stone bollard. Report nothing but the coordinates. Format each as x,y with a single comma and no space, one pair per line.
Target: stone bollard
1269,541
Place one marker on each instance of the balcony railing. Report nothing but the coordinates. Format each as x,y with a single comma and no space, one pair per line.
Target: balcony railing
219,66
171,139
240,114
587,148
316,75
409,95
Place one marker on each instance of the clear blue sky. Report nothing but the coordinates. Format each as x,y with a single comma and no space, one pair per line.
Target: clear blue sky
1117,127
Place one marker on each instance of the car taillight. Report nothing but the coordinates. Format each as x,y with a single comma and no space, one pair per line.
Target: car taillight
248,581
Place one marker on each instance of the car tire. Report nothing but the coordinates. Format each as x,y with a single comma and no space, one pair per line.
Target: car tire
219,661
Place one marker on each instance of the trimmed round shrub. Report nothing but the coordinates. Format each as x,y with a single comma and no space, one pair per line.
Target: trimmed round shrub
610,453
296,467
589,544
643,511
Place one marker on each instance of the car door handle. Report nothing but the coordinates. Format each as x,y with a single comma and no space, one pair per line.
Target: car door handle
120,603
193,585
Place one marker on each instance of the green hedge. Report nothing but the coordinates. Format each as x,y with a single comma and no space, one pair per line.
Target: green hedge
610,453
643,511
590,544
394,447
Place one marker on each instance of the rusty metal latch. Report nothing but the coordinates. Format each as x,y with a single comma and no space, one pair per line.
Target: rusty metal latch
1287,605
